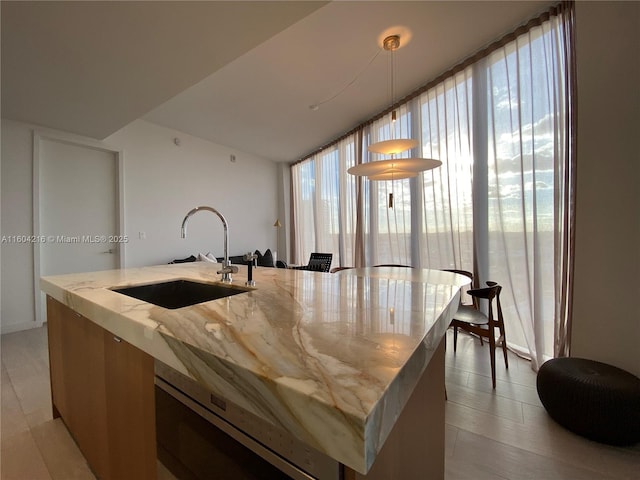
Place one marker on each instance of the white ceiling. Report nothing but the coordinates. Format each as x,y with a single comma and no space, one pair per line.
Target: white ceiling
241,74
93,67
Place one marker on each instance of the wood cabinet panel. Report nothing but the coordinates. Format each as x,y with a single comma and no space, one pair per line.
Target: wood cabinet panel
76,362
130,410
55,318
85,390
104,391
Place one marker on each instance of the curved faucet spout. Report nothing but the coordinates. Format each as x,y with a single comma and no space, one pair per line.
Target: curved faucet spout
226,272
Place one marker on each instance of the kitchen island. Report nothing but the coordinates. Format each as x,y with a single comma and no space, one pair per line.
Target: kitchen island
351,364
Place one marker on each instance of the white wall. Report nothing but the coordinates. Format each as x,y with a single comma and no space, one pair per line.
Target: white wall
162,182
606,306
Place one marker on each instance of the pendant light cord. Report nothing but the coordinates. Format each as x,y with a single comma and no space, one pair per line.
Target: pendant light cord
392,60
358,75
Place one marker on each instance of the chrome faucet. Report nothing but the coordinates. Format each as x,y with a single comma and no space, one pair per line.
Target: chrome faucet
227,268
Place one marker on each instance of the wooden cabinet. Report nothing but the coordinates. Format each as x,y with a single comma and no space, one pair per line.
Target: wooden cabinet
131,426
103,388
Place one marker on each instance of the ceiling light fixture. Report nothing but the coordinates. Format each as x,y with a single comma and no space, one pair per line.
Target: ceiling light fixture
393,168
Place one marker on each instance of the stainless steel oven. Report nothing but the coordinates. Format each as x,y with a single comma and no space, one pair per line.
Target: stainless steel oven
203,436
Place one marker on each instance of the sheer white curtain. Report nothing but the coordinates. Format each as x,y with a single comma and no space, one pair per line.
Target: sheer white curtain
303,193
445,194
527,139
324,204
500,205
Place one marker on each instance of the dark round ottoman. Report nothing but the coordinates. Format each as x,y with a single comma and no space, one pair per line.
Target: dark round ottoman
598,401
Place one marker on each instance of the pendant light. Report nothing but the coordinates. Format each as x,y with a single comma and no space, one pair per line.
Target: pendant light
393,168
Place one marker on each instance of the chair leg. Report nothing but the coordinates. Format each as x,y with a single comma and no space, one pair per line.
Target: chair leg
492,354
504,351
455,338
504,346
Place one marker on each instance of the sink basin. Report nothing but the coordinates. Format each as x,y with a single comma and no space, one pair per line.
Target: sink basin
178,293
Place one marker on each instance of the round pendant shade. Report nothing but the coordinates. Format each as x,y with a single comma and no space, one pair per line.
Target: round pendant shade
394,169
388,147
392,175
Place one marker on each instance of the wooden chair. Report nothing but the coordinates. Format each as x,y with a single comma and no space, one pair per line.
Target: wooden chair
318,262
466,306
471,319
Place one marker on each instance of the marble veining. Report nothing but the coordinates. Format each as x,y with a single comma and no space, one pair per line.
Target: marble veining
330,358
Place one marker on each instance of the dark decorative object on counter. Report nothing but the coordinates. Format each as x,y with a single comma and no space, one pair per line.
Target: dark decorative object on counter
266,260
184,260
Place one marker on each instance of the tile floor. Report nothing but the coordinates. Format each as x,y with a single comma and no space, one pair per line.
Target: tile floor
501,434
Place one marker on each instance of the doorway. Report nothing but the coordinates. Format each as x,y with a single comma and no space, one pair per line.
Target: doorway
78,206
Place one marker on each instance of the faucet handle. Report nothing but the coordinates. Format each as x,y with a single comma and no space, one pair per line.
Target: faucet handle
228,269
250,257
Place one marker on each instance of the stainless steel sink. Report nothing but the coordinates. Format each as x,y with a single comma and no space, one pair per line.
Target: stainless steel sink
179,293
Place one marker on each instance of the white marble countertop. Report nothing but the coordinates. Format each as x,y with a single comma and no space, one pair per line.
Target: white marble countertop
331,358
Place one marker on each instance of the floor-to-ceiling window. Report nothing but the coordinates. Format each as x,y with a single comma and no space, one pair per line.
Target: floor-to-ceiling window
497,205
